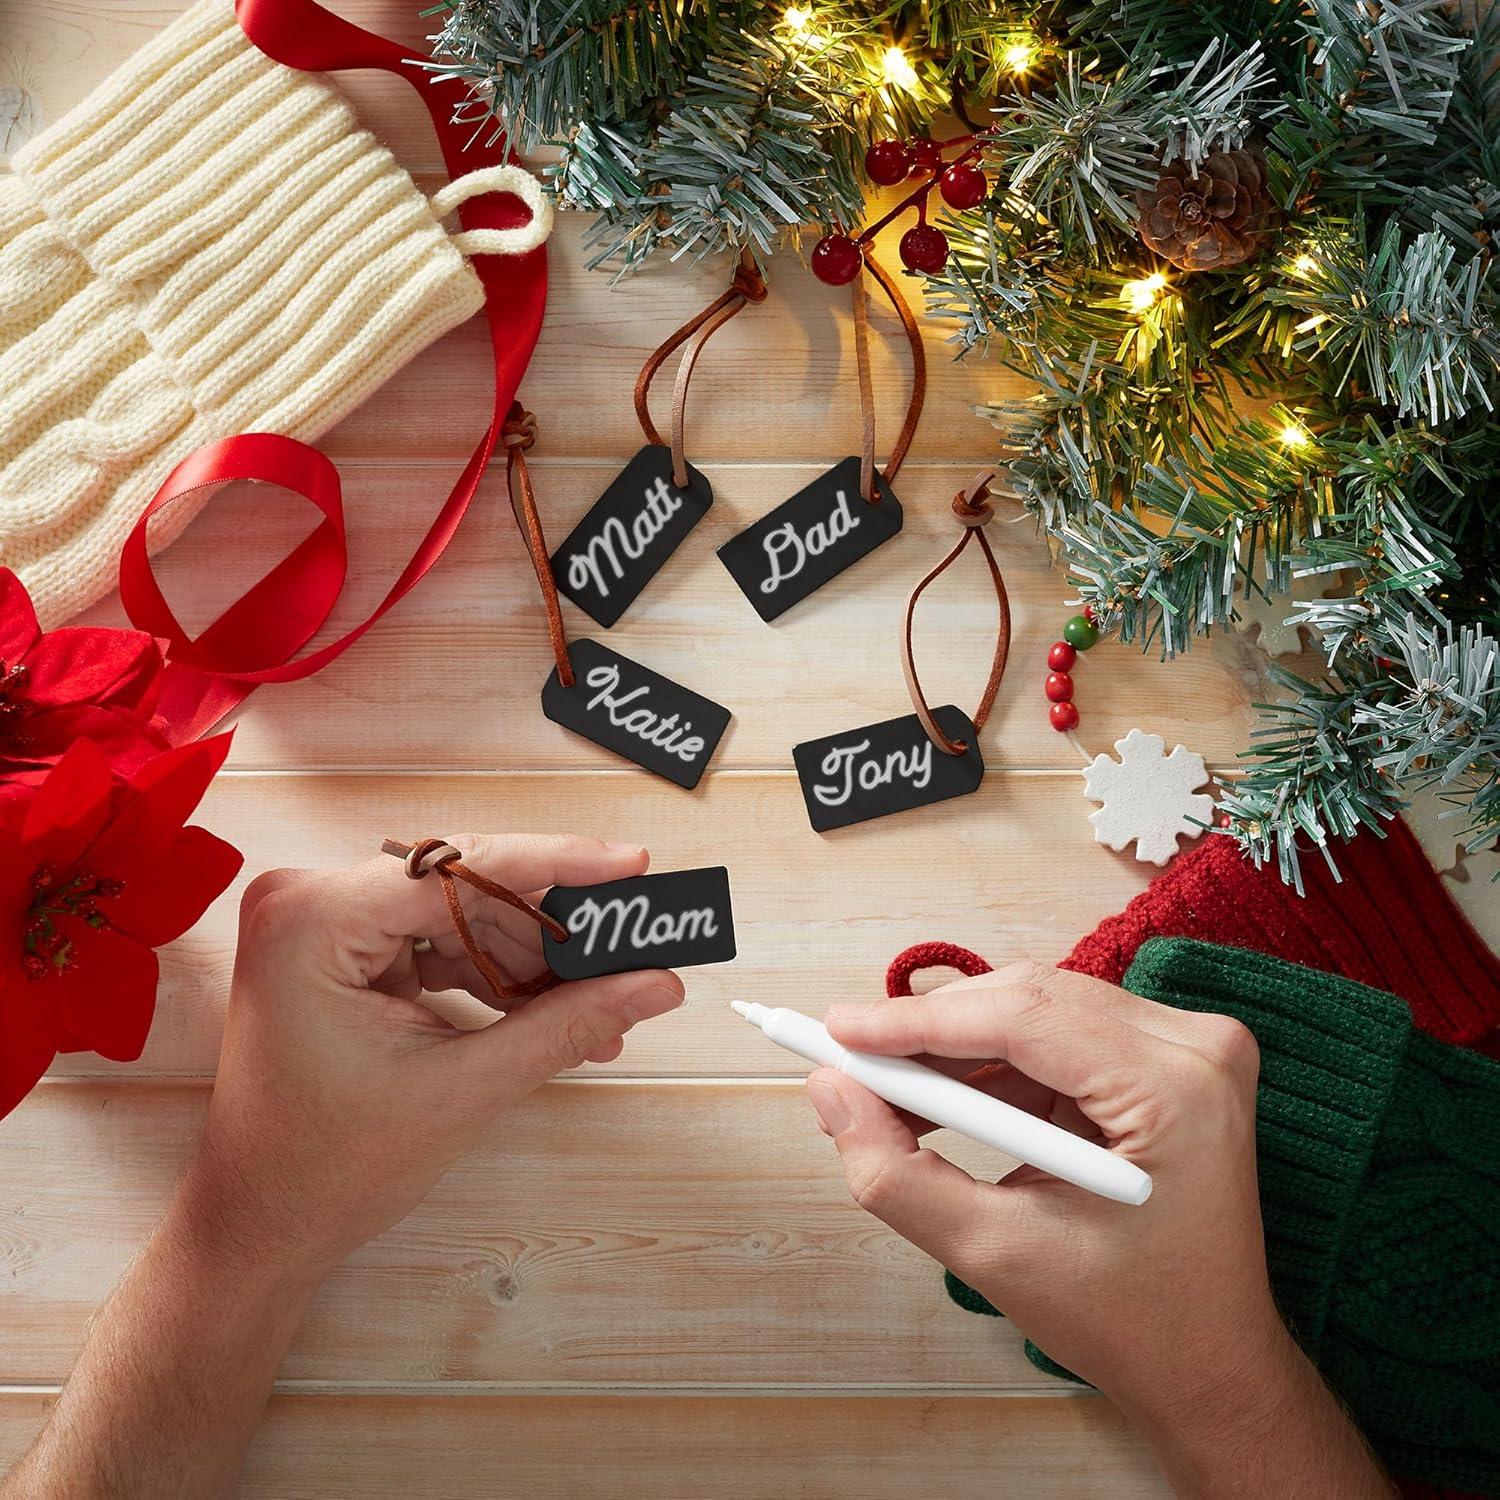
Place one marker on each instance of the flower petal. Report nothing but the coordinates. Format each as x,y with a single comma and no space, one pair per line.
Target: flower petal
69,809
29,1035
159,798
126,740
79,664
18,623
107,996
187,878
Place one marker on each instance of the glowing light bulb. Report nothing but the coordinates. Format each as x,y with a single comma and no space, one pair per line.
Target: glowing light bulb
898,69
1018,56
1294,435
1141,296
1304,265
797,18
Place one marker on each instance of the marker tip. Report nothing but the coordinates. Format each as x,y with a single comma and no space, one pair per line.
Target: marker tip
739,1007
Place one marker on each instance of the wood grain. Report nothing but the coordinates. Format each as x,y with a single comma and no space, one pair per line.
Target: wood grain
601,1233
1011,871
474,636
606,1296
653,1447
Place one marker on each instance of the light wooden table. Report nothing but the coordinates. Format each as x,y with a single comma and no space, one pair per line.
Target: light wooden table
650,1282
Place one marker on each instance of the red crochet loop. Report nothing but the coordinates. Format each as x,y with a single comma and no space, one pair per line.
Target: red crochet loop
931,956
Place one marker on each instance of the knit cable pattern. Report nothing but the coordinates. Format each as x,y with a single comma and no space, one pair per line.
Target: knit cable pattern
207,245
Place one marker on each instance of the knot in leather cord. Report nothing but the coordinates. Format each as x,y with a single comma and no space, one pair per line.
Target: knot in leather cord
748,281
519,430
972,505
437,856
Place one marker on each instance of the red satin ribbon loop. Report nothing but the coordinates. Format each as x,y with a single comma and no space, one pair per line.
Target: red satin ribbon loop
257,637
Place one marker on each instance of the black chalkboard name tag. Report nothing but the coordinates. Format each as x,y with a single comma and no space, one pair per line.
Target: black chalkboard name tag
671,921
810,539
885,768
636,712
628,534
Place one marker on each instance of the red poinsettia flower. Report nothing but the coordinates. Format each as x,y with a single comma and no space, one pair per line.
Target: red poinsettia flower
96,873
76,683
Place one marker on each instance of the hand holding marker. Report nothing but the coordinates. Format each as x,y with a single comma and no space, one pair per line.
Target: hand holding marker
945,1101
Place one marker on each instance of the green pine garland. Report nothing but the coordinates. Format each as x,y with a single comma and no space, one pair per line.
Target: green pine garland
1325,409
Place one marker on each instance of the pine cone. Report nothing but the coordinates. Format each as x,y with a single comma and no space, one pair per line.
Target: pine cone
1211,220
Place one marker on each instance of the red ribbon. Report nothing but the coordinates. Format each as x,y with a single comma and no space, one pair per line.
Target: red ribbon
257,637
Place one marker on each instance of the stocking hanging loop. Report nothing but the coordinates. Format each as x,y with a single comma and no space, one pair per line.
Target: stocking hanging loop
974,511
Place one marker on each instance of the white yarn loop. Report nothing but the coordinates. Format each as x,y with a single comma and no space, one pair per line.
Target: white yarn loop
501,179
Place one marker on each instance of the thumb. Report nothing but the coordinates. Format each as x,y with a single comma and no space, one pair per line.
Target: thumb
921,1195
563,1028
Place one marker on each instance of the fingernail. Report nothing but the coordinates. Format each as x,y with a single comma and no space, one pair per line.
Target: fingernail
830,1108
625,848
657,1000
847,1012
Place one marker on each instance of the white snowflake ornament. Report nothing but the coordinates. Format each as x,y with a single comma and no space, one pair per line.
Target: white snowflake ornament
1149,797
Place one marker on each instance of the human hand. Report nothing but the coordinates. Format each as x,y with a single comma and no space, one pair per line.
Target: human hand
341,1098
1157,1305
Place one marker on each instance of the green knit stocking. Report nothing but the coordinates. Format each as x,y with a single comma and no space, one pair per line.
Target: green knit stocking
1379,1161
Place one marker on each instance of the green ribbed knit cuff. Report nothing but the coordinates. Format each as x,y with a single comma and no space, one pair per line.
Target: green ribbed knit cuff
1330,1051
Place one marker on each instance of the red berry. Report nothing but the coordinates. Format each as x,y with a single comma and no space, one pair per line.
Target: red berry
1088,614
924,247
925,153
1064,717
837,259
1058,687
1061,657
963,185
887,162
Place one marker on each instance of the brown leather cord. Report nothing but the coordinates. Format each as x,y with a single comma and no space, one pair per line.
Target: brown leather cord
974,511
748,286
866,384
518,434
436,856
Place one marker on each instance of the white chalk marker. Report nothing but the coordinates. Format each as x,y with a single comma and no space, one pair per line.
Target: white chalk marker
945,1101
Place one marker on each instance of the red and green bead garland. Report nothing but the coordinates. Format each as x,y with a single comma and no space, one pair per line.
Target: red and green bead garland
1080,633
